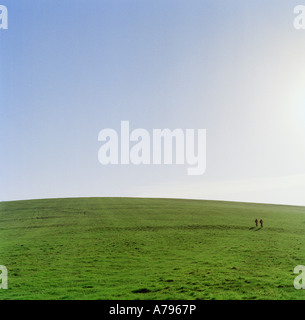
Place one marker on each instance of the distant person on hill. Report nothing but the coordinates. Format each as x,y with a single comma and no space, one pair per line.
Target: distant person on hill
261,222
256,222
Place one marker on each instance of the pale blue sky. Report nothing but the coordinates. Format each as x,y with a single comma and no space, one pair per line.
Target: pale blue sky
71,68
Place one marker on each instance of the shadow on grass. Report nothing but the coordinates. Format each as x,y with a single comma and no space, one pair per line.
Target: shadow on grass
255,228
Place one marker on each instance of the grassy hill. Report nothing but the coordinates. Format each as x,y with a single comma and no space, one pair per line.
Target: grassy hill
128,248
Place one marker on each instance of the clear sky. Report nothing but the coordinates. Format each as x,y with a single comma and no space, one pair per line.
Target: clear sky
71,68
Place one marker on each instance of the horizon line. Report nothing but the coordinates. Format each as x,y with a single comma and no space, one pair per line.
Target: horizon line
160,198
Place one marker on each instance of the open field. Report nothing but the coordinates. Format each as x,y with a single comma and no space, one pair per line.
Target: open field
129,248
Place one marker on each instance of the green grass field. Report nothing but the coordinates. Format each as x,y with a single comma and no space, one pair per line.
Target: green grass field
129,248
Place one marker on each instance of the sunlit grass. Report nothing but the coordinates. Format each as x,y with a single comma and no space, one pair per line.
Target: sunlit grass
120,248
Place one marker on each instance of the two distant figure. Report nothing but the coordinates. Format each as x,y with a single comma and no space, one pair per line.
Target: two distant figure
260,221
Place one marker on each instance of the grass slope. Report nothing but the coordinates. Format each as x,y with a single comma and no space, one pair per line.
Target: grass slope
128,248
